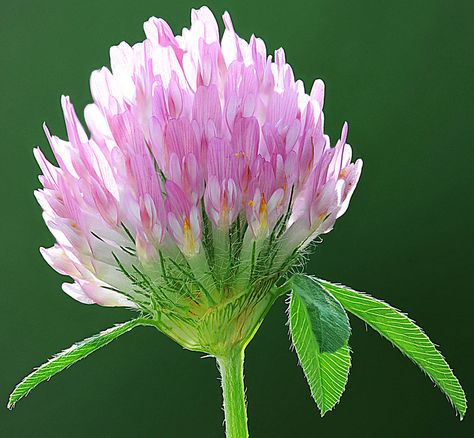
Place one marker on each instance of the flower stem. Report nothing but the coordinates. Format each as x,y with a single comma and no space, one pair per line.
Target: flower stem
231,367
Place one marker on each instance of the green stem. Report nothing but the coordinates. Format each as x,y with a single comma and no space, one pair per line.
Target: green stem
231,367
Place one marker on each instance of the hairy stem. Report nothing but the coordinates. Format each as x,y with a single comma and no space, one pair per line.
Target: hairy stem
231,367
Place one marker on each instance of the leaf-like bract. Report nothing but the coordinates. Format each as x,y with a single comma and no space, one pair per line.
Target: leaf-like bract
68,357
326,372
406,336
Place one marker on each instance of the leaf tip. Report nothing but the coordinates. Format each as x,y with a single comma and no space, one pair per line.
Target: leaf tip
462,411
10,404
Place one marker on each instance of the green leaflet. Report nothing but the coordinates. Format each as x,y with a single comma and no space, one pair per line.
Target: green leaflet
326,372
404,334
67,357
328,319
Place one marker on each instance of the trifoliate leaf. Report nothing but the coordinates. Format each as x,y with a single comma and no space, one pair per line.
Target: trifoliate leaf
327,318
404,334
326,373
68,357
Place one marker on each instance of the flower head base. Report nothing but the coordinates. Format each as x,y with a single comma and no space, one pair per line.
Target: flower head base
206,173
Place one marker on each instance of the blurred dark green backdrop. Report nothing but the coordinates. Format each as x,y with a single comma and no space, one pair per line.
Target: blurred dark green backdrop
402,74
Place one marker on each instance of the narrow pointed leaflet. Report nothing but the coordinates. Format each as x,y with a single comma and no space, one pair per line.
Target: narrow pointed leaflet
402,332
320,330
68,357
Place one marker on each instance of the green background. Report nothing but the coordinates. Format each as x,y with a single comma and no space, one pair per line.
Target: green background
401,72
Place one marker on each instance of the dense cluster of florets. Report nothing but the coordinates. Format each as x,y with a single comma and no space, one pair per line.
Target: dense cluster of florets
206,171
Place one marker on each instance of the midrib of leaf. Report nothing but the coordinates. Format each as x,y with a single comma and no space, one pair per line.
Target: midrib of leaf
68,357
402,332
326,373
